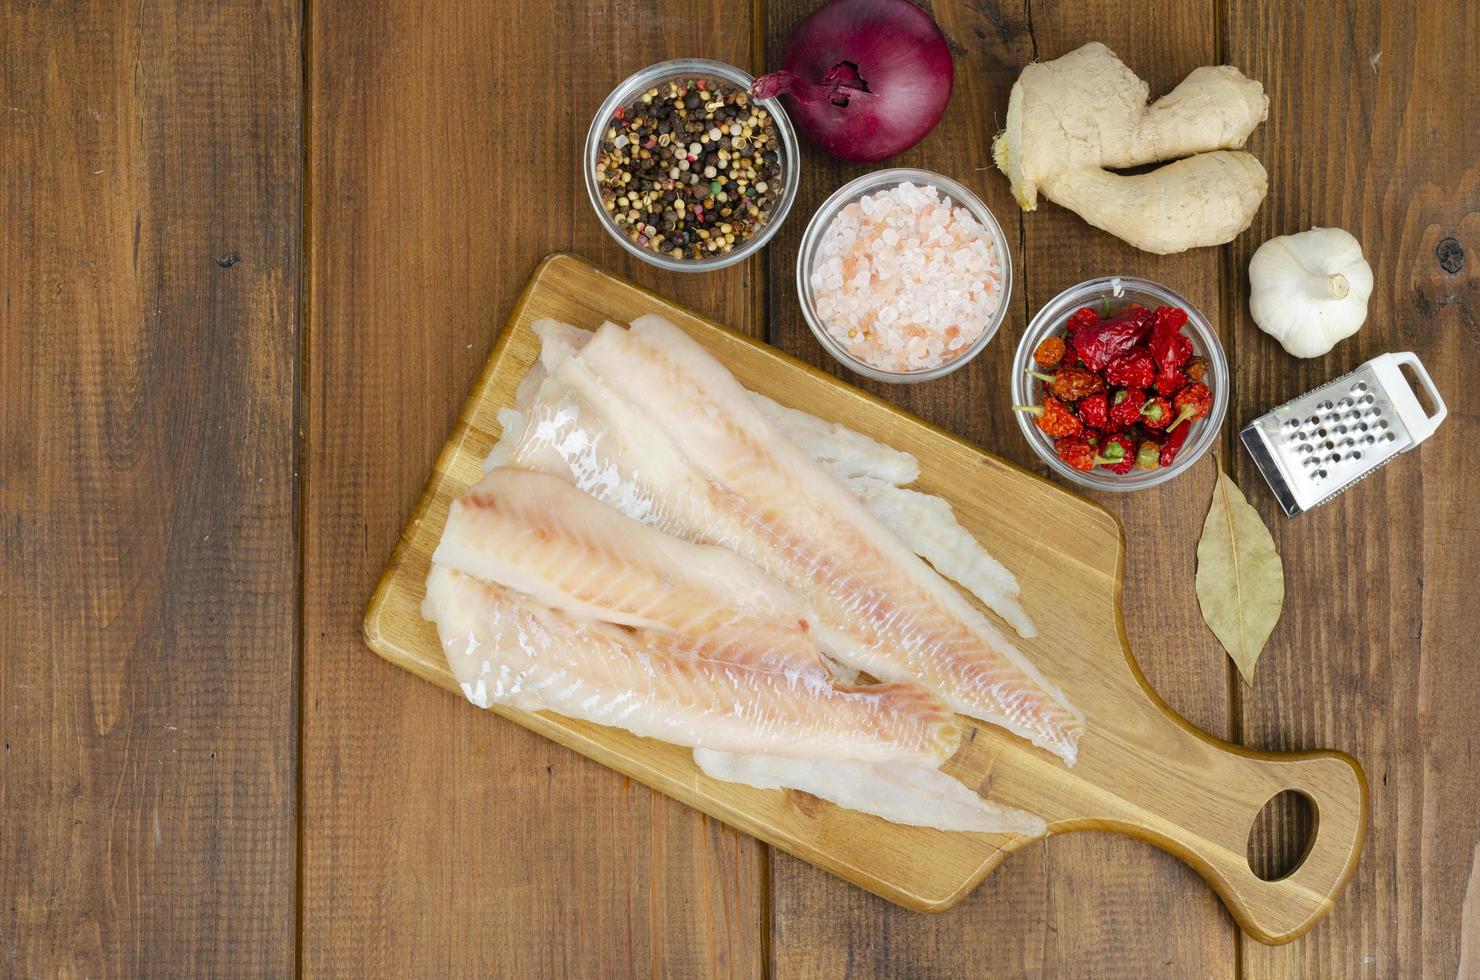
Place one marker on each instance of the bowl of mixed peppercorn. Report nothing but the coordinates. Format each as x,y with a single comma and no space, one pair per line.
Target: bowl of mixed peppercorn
686,170
1120,384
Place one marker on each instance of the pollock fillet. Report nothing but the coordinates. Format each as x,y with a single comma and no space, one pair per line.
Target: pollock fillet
873,472
540,536
504,648
765,499
928,526
902,794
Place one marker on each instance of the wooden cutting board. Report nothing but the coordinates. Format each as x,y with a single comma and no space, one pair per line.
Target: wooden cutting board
1142,769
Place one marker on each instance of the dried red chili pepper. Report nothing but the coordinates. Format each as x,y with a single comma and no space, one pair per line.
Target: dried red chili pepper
1053,417
1118,454
1049,352
1197,368
1101,343
1169,347
1094,410
1083,317
1192,402
1148,457
1071,356
1168,383
1173,445
1135,369
1125,408
1157,413
1179,351
1070,384
1077,452
1168,320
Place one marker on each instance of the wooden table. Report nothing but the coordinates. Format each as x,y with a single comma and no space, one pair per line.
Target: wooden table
253,255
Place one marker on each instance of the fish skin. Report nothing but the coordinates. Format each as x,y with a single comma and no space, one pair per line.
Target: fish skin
504,649
540,536
802,526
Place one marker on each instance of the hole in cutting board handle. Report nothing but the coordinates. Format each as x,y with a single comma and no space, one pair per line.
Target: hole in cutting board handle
1281,835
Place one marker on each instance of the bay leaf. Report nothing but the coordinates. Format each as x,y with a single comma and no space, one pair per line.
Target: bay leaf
1240,579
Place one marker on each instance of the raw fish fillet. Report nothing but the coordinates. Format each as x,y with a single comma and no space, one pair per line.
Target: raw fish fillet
775,506
838,449
579,430
868,468
541,536
876,474
505,649
927,525
901,794
512,418
558,340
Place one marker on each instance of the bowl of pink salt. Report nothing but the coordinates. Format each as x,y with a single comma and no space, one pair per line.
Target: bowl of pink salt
904,275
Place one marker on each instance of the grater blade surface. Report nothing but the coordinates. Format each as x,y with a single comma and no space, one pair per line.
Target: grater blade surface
1319,444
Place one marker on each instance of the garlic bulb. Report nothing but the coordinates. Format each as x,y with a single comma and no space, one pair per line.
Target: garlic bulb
1310,290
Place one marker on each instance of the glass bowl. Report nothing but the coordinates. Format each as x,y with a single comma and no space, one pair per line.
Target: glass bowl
868,184
1119,292
693,68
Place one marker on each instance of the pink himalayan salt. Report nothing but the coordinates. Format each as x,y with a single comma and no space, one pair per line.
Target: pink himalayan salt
904,281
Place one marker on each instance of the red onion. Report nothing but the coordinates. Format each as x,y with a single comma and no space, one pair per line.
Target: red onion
864,79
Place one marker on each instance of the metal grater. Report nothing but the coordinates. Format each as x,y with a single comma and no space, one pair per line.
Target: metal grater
1320,443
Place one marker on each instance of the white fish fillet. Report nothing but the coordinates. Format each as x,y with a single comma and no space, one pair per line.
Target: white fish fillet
505,649
579,430
541,536
929,527
901,794
868,468
876,474
512,419
778,508
558,340
838,449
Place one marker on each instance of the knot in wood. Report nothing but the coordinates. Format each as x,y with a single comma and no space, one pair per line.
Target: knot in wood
1451,254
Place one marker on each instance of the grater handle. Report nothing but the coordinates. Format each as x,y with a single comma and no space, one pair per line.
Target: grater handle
1419,423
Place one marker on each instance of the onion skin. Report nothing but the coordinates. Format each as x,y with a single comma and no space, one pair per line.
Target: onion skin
864,79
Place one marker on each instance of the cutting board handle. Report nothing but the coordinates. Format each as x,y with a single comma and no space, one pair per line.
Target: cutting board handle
1216,813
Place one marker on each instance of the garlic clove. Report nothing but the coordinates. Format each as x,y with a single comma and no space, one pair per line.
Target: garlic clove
1310,290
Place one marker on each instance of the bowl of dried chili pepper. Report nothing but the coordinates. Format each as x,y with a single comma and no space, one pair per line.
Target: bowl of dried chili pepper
1120,384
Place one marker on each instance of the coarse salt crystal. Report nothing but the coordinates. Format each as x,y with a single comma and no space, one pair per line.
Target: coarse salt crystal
904,281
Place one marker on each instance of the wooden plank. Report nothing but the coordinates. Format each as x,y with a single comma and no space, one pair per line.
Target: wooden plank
1079,899
149,261
1373,130
443,148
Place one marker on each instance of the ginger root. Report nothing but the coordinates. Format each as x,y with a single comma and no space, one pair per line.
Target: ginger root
1071,120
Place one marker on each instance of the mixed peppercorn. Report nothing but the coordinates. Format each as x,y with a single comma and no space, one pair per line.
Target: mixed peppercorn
1120,391
690,169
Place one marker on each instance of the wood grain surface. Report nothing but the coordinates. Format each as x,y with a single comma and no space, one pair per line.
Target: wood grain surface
160,609
441,150
1385,575
149,252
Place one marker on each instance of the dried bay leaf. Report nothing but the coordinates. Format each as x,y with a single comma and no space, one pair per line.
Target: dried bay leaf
1240,579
